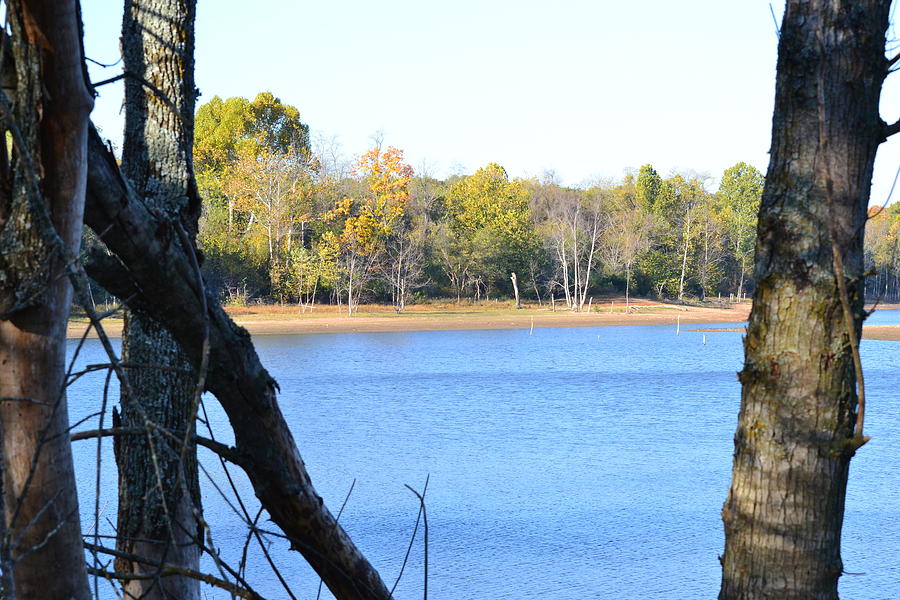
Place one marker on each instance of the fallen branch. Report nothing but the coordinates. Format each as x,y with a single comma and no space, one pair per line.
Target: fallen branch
152,268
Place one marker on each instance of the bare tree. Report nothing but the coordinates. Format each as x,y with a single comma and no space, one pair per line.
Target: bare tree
403,262
41,204
802,401
158,483
629,234
573,224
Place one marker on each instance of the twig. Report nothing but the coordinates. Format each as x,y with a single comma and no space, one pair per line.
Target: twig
244,511
412,538
104,65
110,80
167,570
775,20
421,498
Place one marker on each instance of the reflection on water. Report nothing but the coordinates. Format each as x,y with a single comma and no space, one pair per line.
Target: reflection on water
572,463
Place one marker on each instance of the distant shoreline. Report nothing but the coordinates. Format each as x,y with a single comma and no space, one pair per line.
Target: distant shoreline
278,320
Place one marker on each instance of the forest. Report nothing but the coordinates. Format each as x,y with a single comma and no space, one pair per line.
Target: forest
290,219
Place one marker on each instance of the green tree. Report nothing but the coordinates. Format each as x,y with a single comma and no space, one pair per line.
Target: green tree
228,129
573,224
711,249
649,187
492,213
678,208
252,163
312,269
740,192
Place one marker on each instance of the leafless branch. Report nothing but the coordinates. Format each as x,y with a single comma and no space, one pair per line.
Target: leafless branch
412,538
220,449
775,20
891,129
166,570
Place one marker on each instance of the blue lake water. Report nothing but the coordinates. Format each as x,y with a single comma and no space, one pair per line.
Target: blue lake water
572,463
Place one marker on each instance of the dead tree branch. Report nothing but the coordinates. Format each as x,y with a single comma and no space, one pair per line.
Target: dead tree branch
159,277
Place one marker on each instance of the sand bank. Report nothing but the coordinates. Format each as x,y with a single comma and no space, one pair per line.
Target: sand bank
276,321
286,320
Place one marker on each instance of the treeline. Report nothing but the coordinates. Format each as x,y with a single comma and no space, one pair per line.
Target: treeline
882,245
289,222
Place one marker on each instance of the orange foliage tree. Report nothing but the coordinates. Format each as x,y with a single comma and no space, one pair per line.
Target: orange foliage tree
370,221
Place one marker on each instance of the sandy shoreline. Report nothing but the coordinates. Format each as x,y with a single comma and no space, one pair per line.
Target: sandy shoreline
645,313
275,321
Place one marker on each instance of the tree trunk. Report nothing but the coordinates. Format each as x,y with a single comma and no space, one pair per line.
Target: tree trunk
685,243
350,291
515,284
156,505
795,434
41,207
627,289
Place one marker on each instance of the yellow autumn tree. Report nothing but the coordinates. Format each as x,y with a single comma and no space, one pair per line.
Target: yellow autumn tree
368,222
487,233
273,189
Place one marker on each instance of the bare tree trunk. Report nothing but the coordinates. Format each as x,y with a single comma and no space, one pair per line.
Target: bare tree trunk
350,289
795,434
686,233
515,289
627,289
41,207
156,505
537,291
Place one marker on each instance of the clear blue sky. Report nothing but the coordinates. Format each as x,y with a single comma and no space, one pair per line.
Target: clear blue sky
585,88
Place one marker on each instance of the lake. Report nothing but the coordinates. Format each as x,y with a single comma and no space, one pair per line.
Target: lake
571,463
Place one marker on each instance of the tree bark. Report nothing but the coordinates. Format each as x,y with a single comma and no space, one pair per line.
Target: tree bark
41,204
158,494
795,434
148,258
